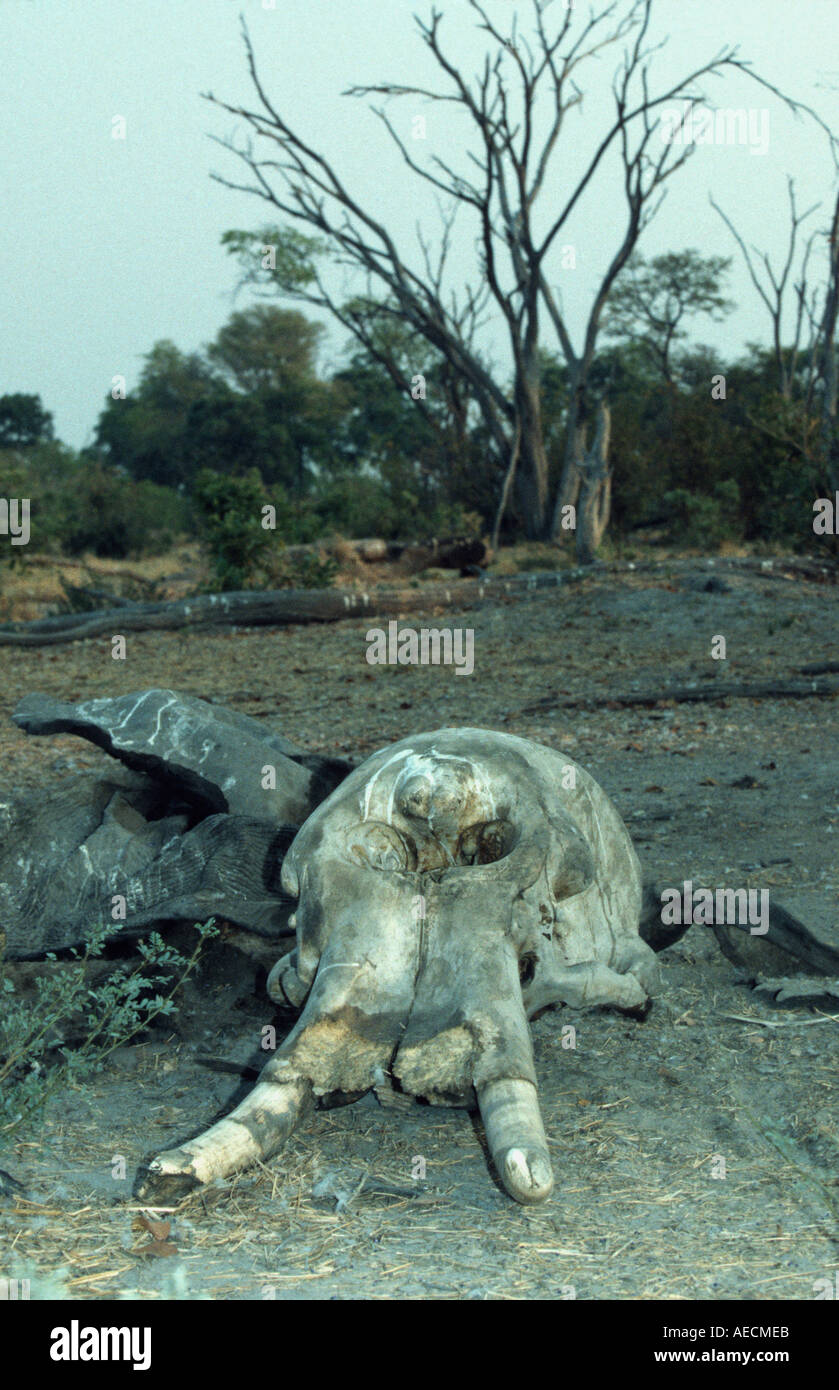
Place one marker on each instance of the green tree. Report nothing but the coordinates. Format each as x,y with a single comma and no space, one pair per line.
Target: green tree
23,421
252,399
229,514
652,300
146,434
264,348
415,450
267,356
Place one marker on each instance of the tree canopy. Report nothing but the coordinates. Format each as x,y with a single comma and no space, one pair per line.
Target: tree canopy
23,421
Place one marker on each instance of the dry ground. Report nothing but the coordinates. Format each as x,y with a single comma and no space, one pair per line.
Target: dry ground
696,1153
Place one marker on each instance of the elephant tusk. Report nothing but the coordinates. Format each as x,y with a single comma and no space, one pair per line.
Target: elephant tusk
516,1138
255,1130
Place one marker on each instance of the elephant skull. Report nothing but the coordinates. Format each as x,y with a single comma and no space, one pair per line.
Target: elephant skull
455,884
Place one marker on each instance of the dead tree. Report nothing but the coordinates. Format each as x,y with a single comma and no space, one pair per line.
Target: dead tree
829,433
814,438
516,160
773,287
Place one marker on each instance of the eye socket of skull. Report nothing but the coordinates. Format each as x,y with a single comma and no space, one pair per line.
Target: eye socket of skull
575,871
485,843
379,846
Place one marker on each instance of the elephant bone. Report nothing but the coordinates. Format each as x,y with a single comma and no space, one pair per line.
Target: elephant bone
454,885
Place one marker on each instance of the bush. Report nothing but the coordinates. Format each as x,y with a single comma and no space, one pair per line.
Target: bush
229,515
96,515
357,506
395,508
162,516
780,494
80,505
34,1059
112,516
315,570
702,520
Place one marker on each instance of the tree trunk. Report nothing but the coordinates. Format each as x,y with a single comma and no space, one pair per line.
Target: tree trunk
509,479
829,442
829,434
596,492
568,493
532,477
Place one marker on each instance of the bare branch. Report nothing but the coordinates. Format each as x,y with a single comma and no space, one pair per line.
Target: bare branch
501,182
786,360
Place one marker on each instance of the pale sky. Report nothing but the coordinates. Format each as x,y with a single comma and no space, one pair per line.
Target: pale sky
108,245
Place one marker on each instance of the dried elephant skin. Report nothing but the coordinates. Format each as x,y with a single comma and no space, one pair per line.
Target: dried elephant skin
456,883
213,756
194,830
65,860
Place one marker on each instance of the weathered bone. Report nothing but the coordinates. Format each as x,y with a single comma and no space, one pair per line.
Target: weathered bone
516,1138
254,1131
452,886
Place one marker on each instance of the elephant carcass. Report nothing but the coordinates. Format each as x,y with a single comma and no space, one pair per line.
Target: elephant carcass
97,844
195,829
213,756
455,884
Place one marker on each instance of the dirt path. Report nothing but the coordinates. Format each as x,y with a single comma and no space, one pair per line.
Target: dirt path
696,1154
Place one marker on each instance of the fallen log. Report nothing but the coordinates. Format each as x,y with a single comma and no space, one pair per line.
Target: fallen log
692,694
819,668
274,608
87,599
458,553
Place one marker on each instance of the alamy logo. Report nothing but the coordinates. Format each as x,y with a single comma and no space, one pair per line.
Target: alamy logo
723,907
431,646
826,520
12,1289
14,519
77,1343
704,125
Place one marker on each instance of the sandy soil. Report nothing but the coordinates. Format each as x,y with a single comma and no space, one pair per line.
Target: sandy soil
695,1152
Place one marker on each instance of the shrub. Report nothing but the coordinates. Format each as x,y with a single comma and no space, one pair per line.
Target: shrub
357,505
161,516
34,1059
314,570
703,520
80,504
395,508
112,516
229,515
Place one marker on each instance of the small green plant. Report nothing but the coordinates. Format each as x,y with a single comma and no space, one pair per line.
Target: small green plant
35,1059
229,514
